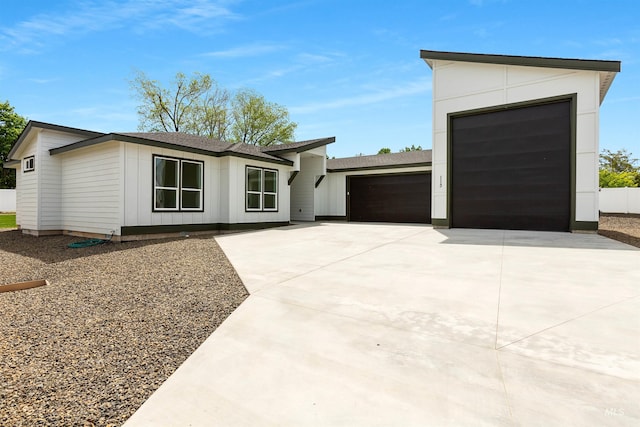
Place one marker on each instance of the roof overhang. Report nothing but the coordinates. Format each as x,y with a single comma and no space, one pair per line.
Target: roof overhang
42,125
606,69
298,147
11,164
153,143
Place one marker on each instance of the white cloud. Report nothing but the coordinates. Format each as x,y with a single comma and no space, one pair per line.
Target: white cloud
250,50
375,96
34,32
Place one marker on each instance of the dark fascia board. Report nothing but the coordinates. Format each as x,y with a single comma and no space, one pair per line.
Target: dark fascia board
528,61
364,168
42,125
159,144
302,149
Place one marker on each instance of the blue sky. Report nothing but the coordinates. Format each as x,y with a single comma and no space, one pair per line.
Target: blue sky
349,69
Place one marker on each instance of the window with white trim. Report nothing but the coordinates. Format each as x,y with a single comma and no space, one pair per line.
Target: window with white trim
261,189
29,164
177,184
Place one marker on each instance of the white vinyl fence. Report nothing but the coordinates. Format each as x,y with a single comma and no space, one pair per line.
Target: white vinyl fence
620,200
7,200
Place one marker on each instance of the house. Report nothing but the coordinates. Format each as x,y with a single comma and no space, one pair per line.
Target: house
131,185
515,146
515,140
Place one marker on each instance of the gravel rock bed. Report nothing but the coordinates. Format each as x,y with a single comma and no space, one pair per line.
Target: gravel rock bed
622,227
115,321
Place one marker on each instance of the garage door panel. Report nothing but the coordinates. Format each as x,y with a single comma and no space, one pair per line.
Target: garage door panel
390,198
511,168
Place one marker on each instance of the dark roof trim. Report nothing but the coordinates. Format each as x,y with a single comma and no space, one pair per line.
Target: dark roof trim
298,147
363,168
42,125
143,141
529,61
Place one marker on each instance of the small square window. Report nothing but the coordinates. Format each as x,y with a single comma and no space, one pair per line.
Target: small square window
29,164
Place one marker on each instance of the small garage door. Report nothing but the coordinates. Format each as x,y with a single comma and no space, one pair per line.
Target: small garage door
511,169
390,198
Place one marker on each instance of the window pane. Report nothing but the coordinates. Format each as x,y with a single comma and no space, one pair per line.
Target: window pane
270,181
191,175
190,199
166,199
253,201
166,172
269,201
253,180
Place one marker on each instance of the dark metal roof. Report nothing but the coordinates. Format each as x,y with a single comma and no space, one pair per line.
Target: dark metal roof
531,61
381,161
298,147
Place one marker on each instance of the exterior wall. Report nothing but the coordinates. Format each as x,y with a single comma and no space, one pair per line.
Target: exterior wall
303,188
233,179
331,194
27,187
461,86
137,206
39,192
90,189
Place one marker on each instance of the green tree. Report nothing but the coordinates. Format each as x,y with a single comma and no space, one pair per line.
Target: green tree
169,110
197,105
258,122
384,151
618,169
610,179
412,148
11,125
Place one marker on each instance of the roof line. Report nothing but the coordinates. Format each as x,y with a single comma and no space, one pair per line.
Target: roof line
397,166
50,126
313,143
149,142
531,61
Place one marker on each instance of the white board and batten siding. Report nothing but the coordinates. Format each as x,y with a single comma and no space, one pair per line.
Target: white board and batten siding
39,191
303,188
138,183
331,194
495,84
91,193
232,182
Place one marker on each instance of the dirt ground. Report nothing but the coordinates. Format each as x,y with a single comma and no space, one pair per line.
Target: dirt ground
622,227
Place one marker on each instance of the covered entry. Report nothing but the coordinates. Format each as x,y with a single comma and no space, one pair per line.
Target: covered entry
389,198
511,168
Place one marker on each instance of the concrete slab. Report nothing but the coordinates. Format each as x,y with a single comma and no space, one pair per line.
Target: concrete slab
395,325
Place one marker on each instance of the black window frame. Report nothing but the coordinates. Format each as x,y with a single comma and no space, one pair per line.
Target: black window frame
262,191
25,161
179,207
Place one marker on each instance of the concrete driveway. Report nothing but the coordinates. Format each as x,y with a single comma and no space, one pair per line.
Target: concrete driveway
393,325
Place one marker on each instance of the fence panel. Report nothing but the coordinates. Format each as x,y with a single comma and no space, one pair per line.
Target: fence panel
620,200
7,200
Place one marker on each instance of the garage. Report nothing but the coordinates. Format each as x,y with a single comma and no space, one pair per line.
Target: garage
404,198
511,168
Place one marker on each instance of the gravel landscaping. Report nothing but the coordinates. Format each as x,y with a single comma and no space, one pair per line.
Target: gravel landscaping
114,322
622,227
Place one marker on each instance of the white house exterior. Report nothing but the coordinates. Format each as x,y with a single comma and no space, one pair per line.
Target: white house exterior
467,84
109,185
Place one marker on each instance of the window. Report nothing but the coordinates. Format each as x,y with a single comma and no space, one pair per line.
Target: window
29,164
262,189
177,184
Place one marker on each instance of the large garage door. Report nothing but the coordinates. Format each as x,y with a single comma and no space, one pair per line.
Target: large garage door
511,169
390,198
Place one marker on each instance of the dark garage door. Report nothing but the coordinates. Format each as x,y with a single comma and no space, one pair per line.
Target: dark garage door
511,169
390,198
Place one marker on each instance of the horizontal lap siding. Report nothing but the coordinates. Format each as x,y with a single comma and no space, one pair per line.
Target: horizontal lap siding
91,189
